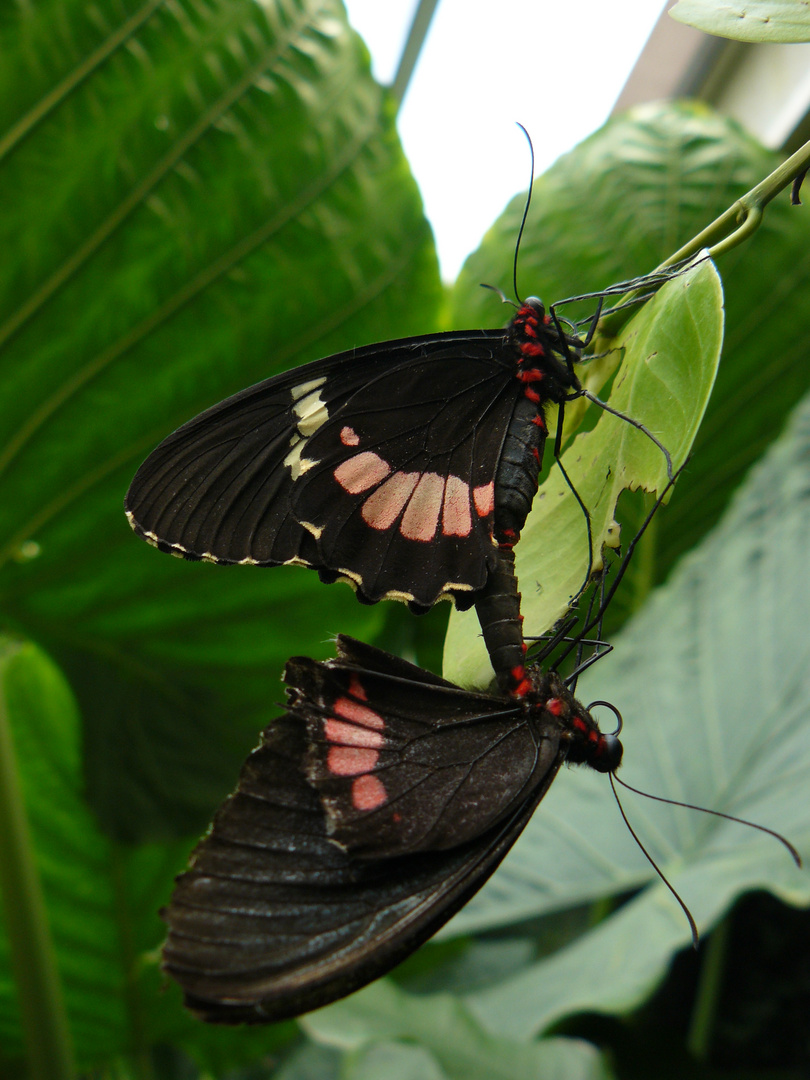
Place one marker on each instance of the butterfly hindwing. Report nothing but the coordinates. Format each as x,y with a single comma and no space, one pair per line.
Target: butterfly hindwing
403,768
274,917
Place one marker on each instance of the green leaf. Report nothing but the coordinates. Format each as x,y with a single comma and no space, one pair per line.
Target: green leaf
669,354
618,205
445,1030
203,195
101,898
394,1061
747,20
713,681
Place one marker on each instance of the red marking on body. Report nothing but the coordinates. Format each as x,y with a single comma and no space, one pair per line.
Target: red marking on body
484,498
421,517
361,471
539,421
532,348
529,329
532,395
343,734
368,793
579,724
383,507
532,375
356,688
456,519
554,706
521,683
350,760
349,437
547,320
359,714
536,454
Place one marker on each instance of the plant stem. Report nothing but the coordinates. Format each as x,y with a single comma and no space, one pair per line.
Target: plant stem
746,213
420,25
44,1021
698,1039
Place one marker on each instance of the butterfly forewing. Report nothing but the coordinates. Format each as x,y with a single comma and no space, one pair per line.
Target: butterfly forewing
376,465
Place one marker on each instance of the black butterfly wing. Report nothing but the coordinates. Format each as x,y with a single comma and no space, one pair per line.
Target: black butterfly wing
273,919
376,465
402,765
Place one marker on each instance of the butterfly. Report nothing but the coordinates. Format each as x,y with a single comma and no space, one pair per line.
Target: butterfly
373,809
406,468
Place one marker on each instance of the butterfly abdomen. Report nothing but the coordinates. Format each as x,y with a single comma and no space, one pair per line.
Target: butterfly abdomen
498,610
518,469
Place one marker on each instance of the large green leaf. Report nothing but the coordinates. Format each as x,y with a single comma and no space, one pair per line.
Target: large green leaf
752,20
619,204
713,680
101,898
669,355
202,195
439,1024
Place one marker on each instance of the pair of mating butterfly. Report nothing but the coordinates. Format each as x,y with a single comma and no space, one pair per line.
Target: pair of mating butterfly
385,796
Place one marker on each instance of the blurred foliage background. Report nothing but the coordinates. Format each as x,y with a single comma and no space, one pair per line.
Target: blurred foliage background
199,195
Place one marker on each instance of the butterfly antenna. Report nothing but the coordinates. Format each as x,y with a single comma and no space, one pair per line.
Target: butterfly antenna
504,298
652,862
525,212
718,813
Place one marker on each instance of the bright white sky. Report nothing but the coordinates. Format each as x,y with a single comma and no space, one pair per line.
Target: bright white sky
557,67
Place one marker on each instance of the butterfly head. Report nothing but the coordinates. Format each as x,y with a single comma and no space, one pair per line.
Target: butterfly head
585,743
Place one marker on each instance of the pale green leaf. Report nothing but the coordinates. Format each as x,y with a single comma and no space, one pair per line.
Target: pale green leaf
713,681
747,20
669,354
443,1027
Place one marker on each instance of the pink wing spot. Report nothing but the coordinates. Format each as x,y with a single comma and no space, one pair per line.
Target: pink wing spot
484,498
368,793
383,507
361,471
360,714
421,517
349,437
343,734
350,761
456,520
356,688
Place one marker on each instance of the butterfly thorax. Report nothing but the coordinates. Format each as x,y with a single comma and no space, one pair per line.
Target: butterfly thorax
541,354
546,378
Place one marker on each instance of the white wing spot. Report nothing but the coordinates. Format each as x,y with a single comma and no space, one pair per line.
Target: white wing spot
305,387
